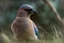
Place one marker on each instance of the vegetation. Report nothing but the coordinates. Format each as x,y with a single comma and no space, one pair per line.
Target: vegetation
49,29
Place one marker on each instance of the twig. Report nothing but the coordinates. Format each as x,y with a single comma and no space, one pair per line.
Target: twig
57,16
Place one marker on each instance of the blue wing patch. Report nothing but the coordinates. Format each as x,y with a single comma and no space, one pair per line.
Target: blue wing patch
35,29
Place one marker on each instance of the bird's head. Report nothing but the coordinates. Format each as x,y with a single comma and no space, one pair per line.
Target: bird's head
27,9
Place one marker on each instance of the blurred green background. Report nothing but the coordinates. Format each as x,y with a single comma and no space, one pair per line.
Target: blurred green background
44,19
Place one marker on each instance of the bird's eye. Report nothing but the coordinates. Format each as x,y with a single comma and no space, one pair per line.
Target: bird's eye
28,9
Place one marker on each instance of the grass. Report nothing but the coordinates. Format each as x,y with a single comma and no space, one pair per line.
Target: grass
8,38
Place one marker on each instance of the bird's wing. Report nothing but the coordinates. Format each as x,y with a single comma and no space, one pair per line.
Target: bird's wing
35,29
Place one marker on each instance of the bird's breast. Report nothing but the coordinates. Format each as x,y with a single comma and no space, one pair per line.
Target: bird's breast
23,27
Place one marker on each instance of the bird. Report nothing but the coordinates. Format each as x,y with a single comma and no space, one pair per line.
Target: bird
23,27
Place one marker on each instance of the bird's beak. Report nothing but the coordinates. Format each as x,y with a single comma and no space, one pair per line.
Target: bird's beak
34,11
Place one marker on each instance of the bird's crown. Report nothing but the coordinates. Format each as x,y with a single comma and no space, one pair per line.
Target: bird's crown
26,6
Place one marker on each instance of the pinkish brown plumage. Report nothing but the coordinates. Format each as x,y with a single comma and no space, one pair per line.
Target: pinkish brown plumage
22,27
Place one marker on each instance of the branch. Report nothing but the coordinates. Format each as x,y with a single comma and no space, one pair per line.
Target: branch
57,16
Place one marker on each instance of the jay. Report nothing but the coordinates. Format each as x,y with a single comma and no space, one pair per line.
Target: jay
23,27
